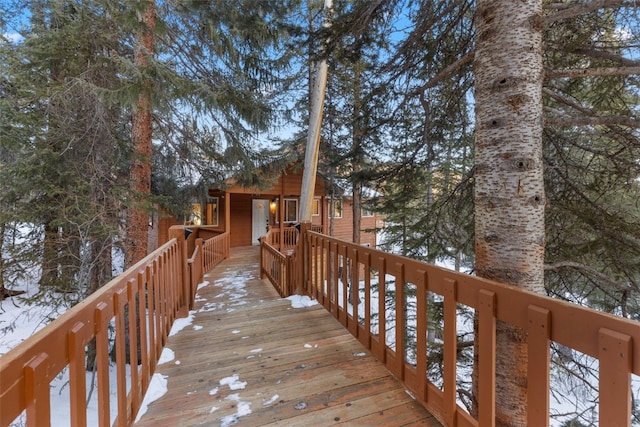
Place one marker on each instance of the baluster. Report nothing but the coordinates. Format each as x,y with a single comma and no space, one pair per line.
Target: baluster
487,357
615,378
37,399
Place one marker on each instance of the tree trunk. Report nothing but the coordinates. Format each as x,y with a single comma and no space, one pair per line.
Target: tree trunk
141,131
50,262
3,230
357,159
509,199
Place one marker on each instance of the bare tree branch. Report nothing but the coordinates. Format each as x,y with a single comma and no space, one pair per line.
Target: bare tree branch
565,11
558,117
602,54
447,71
592,72
589,271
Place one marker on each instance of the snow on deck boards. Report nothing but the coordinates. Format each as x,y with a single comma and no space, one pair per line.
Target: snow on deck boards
248,358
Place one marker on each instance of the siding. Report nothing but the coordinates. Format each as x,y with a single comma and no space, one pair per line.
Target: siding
241,217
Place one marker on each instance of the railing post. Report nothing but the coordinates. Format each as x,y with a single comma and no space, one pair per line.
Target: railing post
179,233
200,248
303,271
261,240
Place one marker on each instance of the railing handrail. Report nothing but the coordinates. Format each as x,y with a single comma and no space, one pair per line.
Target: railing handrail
614,341
158,280
275,266
28,369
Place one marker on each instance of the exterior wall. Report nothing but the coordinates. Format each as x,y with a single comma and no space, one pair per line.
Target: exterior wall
241,217
164,223
342,227
287,186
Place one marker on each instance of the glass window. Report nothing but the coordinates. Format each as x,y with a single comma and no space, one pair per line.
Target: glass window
211,213
316,207
195,215
337,208
290,210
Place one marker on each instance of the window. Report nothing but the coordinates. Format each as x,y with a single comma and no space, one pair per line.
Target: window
366,213
316,207
211,213
290,210
195,215
337,208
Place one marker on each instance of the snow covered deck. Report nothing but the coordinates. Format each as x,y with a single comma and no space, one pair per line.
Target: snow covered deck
246,356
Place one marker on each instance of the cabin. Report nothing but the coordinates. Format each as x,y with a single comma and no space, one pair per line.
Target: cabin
249,213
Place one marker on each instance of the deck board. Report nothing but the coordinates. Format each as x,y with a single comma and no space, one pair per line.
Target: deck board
300,366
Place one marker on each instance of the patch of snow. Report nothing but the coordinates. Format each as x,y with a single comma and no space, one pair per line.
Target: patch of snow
255,350
233,382
157,389
235,331
181,323
271,401
167,355
197,327
213,391
301,301
244,408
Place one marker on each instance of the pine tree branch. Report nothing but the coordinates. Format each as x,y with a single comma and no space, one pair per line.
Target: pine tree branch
566,101
610,56
592,72
447,71
589,271
586,117
565,11
560,118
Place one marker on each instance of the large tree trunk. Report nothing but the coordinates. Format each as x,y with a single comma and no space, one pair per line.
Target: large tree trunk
141,131
50,262
509,199
357,160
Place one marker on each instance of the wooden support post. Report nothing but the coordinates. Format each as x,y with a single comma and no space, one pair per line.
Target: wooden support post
178,232
303,265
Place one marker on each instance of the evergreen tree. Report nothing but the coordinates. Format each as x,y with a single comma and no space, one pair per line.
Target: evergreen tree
67,145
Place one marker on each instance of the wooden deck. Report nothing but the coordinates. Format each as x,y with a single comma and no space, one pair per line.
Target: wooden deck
248,358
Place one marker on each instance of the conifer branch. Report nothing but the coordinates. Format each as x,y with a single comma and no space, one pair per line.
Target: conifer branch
565,11
589,271
592,72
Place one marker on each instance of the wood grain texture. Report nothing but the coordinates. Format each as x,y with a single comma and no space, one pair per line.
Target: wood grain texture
301,367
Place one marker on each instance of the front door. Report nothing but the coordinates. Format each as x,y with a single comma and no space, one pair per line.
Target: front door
260,219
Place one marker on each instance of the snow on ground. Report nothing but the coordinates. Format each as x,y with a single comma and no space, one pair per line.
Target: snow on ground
157,389
301,301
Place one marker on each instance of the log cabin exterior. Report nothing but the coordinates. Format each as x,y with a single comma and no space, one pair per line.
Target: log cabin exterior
248,213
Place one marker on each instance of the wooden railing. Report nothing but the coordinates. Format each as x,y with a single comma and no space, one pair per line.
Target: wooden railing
206,255
280,263
285,239
141,303
215,249
389,286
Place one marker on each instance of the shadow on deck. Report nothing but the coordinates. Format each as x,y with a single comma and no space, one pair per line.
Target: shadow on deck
249,358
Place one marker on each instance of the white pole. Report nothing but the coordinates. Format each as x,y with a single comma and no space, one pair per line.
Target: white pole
313,137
